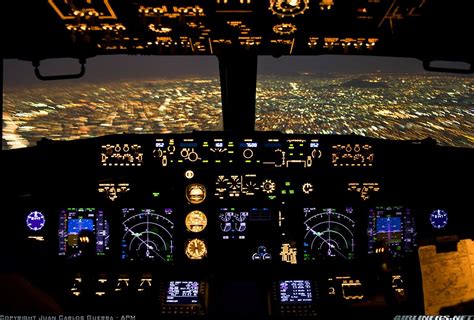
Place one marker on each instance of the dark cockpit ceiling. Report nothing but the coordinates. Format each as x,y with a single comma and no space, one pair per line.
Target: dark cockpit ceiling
425,29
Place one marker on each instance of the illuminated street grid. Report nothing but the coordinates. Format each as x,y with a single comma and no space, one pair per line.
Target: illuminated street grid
91,110
381,106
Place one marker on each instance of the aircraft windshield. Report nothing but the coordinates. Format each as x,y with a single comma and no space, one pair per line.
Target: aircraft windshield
370,96
390,98
118,94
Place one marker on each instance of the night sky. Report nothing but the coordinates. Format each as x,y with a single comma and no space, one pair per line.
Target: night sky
107,68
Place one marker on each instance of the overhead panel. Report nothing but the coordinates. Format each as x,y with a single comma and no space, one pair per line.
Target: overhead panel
277,27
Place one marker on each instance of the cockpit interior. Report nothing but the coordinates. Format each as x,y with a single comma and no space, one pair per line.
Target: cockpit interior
274,185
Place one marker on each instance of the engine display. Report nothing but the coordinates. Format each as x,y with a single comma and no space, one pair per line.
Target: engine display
391,228
182,292
147,235
234,222
296,292
329,233
83,231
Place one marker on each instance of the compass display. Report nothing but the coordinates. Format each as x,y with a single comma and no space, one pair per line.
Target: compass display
35,221
329,234
439,219
147,235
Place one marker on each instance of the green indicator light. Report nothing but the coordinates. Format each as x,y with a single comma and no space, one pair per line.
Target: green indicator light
180,161
283,191
248,161
258,161
301,154
287,183
291,147
301,145
156,194
231,151
272,197
230,161
291,154
205,161
218,161
292,191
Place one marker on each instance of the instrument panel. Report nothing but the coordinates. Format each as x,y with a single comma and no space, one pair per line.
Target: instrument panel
169,217
269,197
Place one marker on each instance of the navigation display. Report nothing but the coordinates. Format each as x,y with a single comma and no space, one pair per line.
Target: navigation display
182,292
329,233
83,231
392,228
296,292
147,234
